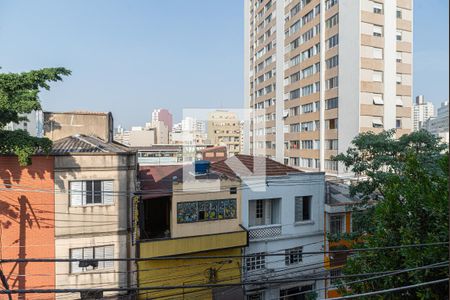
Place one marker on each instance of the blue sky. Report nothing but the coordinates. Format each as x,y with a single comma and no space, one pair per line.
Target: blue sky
130,57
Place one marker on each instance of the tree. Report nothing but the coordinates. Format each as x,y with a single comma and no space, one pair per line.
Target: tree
19,94
407,179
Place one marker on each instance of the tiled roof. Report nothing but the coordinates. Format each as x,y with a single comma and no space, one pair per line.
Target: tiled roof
243,165
86,144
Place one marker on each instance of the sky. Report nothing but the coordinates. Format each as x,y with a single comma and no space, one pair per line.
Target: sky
130,57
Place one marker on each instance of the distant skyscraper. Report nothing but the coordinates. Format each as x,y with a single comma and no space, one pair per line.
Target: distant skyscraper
224,130
34,124
163,115
439,125
422,111
319,72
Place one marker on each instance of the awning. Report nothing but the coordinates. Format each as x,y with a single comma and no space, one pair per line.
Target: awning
377,122
378,101
398,101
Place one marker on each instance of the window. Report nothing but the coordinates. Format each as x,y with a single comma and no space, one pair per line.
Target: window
308,108
264,212
307,144
332,41
303,208
378,100
331,124
336,224
307,126
198,211
377,30
330,3
91,253
398,123
399,57
331,165
332,62
399,14
377,76
256,261
233,190
399,78
294,94
331,144
255,296
294,77
331,103
331,83
91,192
293,256
332,21
333,274
377,53
377,123
399,35
377,8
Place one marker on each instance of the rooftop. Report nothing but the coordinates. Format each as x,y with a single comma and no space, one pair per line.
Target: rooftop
81,143
242,165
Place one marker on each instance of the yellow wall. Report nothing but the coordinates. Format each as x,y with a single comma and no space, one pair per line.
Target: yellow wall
188,272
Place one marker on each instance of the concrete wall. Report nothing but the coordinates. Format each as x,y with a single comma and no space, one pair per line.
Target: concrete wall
94,225
27,222
61,125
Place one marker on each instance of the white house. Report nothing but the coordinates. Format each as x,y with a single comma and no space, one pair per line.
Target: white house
283,209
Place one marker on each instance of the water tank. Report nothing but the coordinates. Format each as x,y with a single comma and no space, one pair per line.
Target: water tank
202,166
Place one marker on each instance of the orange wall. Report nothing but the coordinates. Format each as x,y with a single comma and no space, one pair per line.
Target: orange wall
27,223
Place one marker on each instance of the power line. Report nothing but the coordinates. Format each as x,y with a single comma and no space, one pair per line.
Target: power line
222,256
394,289
167,287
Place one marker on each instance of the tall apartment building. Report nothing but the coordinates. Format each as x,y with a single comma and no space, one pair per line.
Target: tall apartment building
163,115
224,130
422,111
318,72
439,125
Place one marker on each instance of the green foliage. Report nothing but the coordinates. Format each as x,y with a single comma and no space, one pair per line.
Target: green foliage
19,94
408,178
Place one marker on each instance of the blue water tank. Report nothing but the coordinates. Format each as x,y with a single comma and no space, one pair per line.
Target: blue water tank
202,166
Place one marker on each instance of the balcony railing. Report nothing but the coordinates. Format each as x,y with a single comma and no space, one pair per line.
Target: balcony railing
262,232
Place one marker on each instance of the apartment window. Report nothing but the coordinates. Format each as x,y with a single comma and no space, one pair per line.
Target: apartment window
377,8
264,212
399,78
336,224
331,144
294,144
91,192
377,76
256,261
333,41
378,99
332,62
331,165
399,14
331,103
303,208
377,123
307,126
294,161
332,21
308,71
332,83
398,101
307,90
399,35
331,123
308,108
377,30
294,127
294,61
377,53
295,292
92,253
294,94
398,123
330,3
307,144
306,162
293,256
399,57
